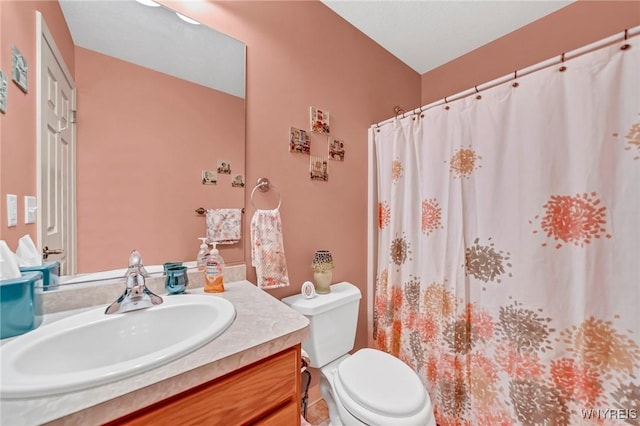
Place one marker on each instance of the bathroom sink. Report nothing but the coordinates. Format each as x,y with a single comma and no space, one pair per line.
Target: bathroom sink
91,348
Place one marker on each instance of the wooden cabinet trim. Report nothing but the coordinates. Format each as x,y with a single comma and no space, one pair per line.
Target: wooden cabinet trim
258,391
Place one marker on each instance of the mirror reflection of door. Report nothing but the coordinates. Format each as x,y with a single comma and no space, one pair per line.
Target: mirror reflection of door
56,152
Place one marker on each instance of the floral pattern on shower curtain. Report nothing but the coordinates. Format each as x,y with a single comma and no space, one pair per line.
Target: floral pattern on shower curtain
508,265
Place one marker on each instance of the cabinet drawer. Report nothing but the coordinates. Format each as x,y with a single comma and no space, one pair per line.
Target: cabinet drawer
239,398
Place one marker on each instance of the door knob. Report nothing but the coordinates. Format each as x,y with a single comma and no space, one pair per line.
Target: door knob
46,251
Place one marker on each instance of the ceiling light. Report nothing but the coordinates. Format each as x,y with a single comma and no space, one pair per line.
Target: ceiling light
148,3
187,19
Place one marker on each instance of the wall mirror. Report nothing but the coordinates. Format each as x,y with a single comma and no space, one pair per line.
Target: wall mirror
160,101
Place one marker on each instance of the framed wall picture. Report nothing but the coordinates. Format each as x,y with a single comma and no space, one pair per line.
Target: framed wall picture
209,177
299,141
318,168
3,92
224,167
319,121
19,69
237,181
336,149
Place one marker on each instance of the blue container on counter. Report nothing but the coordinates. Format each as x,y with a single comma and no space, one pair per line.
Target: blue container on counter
50,274
21,304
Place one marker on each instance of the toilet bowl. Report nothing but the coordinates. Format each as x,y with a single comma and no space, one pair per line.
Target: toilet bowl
372,387
369,387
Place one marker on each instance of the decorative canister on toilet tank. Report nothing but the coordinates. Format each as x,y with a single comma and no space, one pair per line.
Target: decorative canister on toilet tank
322,271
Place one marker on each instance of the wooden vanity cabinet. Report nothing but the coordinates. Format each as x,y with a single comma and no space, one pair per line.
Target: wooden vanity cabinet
264,393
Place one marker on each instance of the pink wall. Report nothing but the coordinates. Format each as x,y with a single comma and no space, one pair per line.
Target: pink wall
301,54
569,28
143,140
18,129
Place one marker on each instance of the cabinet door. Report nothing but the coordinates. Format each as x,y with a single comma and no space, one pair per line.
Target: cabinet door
287,415
267,389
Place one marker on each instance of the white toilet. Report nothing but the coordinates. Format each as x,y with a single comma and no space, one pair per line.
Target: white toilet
369,387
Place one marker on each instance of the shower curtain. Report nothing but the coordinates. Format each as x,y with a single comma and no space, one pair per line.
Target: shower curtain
508,263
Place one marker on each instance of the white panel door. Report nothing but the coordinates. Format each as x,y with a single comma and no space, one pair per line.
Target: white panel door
56,154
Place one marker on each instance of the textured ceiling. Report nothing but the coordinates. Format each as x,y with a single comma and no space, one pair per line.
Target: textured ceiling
426,34
423,34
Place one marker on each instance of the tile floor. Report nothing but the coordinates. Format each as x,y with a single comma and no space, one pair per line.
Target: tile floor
318,413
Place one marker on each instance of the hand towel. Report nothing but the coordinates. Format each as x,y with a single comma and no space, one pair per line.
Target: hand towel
267,249
224,226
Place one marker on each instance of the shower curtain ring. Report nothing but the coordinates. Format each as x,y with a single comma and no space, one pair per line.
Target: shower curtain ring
562,68
478,96
515,77
626,45
445,102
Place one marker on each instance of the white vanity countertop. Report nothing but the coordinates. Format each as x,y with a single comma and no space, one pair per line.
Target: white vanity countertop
263,326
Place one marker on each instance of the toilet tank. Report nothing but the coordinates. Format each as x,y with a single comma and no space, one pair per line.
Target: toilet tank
333,319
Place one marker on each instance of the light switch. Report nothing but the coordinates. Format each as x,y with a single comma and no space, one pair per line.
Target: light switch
30,209
12,210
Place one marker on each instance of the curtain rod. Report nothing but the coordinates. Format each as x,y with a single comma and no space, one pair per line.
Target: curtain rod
526,71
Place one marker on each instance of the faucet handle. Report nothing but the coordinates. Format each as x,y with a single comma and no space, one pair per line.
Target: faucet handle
136,295
135,264
135,258
135,279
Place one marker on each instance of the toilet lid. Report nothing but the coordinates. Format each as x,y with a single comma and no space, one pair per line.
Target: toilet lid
382,383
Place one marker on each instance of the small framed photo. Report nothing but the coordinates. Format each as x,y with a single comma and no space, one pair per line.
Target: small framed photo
318,169
299,141
3,92
224,167
336,149
209,177
237,181
19,69
319,121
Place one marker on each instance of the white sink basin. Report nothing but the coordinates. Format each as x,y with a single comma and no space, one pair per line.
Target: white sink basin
91,348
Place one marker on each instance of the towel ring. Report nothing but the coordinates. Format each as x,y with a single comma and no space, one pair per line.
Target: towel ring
263,185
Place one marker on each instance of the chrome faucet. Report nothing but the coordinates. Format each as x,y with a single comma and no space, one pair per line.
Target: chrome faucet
136,295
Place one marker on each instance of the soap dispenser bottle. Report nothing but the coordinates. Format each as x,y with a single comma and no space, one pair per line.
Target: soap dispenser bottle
213,278
203,254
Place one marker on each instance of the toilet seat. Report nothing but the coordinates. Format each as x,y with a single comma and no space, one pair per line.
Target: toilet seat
378,388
